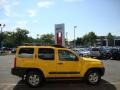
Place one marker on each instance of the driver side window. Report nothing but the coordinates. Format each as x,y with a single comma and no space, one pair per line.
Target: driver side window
65,55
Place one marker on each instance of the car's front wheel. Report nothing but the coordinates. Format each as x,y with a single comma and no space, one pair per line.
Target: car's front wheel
93,77
34,79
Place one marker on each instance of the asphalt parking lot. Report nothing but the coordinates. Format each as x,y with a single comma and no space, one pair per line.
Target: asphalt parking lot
110,81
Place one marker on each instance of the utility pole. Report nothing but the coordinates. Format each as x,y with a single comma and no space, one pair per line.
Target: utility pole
66,38
74,36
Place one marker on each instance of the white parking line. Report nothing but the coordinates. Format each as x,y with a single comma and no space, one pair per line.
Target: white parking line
10,84
115,83
7,87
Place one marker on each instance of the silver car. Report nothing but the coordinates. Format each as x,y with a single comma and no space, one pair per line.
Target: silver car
95,52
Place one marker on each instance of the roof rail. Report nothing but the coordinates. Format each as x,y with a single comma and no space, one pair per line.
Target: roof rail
58,46
35,44
41,44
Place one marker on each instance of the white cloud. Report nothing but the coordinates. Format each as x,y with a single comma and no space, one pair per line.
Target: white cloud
74,0
7,10
31,13
45,4
3,2
7,5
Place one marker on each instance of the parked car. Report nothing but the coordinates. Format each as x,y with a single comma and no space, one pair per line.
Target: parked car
84,52
95,52
76,50
36,64
115,53
104,53
100,52
2,51
13,50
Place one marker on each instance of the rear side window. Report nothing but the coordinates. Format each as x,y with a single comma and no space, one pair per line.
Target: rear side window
46,53
95,49
26,52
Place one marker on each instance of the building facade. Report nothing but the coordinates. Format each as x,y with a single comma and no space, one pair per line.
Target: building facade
103,41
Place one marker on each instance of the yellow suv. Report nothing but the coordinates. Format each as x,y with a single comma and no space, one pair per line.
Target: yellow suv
38,63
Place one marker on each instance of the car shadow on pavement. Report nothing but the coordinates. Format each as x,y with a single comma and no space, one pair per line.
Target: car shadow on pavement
67,85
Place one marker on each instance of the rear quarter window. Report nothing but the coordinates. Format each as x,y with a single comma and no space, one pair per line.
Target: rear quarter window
26,52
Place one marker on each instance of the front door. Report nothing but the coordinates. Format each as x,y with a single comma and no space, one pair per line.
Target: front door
68,64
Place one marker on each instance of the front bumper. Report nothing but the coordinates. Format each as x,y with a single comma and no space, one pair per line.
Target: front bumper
102,71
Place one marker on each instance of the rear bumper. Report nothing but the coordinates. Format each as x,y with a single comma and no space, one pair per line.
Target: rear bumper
102,71
18,71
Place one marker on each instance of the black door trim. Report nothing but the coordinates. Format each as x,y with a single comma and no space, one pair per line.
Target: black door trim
64,72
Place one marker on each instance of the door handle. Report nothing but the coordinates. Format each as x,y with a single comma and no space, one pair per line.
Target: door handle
60,63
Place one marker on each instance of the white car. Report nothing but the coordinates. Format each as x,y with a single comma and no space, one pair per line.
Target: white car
84,52
95,52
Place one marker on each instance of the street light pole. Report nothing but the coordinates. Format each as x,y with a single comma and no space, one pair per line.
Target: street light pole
66,39
1,42
74,36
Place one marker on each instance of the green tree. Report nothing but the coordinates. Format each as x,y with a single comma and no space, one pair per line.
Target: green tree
21,36
13,39
46,39
79,41
89,39
9,39
30,40
92,38
110,38
86,40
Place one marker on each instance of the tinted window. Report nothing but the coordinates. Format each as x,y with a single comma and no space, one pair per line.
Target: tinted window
67,56
26,52
95,49
46,53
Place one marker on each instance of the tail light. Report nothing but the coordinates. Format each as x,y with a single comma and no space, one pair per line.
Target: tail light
14,62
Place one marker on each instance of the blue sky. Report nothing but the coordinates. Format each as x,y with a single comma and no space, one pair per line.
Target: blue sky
40,16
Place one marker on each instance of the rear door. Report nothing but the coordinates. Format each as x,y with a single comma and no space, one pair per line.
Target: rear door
47,61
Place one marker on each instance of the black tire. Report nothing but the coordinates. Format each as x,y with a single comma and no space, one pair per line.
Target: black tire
108,56
24,78
93,77
34,79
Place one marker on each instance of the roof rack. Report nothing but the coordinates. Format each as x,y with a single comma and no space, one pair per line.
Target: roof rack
41,44
58,46
34,44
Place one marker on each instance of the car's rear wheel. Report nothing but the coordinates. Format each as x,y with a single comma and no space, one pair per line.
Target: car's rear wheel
93,77
34,79
24,78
